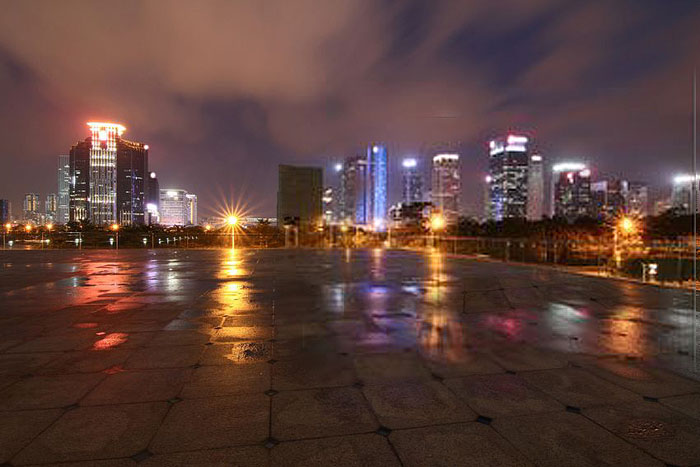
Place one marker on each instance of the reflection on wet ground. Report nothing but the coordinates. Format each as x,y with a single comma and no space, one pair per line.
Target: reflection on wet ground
362,357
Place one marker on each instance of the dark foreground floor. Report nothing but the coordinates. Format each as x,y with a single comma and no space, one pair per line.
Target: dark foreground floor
336,358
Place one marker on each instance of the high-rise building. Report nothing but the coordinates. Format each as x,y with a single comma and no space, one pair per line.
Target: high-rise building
177,207
535,188
352,190
412,182
638,199
152,200
609,198
376,186
51,208
446,186
330,205
572,191
508,167
62,210
5,212
299,195
79,161
108,177
682,194
30,208
132,179
191,202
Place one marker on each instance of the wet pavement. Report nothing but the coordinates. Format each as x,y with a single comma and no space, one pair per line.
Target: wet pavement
365,357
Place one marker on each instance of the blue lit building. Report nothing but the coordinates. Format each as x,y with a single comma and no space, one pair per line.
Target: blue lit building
376,185
364,188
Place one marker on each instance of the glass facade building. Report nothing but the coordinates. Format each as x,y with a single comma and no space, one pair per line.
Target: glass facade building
63,209
446,186
572,191
412,182
508,168
299,195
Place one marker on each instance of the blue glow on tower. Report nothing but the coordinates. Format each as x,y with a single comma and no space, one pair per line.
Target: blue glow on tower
376,185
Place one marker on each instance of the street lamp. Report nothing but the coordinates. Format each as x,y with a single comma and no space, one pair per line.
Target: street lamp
48,226
8,226
115,229
437,223
232,221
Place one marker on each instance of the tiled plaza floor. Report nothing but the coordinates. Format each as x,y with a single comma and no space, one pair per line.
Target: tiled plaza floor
337,358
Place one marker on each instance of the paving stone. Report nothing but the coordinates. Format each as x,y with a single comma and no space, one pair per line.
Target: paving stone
563,438
46,392
643,380
578,388
313,373
88,433
23,363
411,404
662,432
85,362
165,357
464,444
138,386
208,381
320,412
501,395
243,333
239,353
346,451
213,423
17,429
251,456
468,363
688,404
169,338
523,357
377,368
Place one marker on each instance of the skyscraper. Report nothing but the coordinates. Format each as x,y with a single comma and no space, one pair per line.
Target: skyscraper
682,194
535,188
79,161
638,199
108,177
608,198
508,167
152,199
51,208
572,191
299,195
30,208
62,211
446,186
5,212
376,186
352,189
412,182
177,207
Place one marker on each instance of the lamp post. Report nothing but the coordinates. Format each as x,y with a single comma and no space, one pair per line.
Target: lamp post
48,226
437,223
232,221
115,229
8,226
625,228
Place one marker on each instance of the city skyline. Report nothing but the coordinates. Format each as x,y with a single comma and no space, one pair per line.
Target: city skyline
608,83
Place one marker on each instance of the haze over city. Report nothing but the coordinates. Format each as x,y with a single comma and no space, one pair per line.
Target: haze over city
224,91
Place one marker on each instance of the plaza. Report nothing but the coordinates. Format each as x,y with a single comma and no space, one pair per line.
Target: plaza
337,357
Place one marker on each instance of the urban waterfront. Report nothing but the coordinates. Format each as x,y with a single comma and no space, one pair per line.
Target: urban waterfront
346,356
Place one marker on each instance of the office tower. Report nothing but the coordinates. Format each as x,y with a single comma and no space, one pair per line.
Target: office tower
638,199
486,197
352,182
177,207
132,179
299,195
62,211
571,191
662,206
682,194
30,207
5,212
191,203
51,208
535,188
508,168
608,198
108,177
330,202
79,162
376,186
412,182
446,186
152,200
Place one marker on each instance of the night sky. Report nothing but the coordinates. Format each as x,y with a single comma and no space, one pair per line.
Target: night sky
223,91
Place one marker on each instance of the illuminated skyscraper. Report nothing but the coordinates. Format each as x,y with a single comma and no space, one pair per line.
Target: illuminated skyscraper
638,199
446,186
376,186
5,212
508,167
177,207
572,191
352,183
152,200
108,177
682,194
300,195
51,208
535,188
412,182
30,208
609,198
62,211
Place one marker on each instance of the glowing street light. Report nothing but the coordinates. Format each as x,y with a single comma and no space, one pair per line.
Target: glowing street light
28,227
8,226
48,226
207,227
437,223
232,221
627,225
115,229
